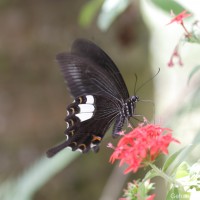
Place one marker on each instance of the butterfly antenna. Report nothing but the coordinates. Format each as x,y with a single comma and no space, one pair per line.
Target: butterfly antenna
146,81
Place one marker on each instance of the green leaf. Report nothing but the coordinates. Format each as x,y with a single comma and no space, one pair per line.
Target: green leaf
142,190
170,160
177,194
183,170
110,11
183,154
169,5
25,186
194,34
89,11
193,72
192,39
173,194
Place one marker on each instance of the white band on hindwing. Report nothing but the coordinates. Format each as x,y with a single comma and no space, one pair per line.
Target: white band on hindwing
85,109
90,99
84,116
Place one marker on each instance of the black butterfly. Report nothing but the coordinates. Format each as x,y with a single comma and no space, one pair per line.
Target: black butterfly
100,93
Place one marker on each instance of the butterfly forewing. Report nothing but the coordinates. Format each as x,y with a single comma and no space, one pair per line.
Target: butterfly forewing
99,91
86,48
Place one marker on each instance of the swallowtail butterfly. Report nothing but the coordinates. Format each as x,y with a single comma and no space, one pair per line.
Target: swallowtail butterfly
100,93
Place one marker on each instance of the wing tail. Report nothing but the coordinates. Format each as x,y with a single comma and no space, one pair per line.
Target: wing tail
54,150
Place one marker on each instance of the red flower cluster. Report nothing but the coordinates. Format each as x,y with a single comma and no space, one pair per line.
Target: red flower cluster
142,144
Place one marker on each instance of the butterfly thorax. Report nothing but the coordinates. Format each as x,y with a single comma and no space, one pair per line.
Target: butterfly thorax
129,106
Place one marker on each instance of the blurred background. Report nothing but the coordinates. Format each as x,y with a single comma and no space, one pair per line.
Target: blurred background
33,96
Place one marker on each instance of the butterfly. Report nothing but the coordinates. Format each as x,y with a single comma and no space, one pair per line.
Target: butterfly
101,97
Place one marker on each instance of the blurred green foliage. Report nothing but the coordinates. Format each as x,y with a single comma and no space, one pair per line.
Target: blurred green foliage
89,11
169,5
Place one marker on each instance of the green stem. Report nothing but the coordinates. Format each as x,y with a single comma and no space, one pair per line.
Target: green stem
165,176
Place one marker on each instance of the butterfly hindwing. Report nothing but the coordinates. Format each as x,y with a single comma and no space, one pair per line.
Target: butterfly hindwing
86,127
90,132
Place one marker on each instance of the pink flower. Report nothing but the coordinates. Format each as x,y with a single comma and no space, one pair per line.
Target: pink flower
175,55
179,18
143,144
151,197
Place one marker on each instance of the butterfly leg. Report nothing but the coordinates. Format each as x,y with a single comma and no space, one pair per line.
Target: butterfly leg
140,116
118,126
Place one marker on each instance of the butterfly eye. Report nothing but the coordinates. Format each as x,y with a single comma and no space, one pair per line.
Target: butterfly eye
134,98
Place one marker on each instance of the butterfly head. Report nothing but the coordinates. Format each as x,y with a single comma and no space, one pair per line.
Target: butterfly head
134,98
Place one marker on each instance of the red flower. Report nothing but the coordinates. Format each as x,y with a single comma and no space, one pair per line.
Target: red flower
143,144
151,197
179,18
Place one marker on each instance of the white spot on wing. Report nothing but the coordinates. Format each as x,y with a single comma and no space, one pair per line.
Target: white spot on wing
86,108
79,150
84,116
67,125
92,145
69,148
90,99
67,137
